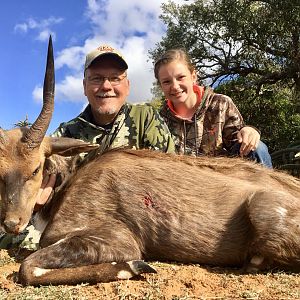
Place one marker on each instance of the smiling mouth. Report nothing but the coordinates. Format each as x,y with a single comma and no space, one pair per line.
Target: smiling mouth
178,94
106,96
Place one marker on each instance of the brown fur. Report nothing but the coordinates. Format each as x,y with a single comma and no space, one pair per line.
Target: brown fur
132,205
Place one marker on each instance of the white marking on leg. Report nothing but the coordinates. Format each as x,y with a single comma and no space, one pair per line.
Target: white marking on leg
256,260
39,272
124,275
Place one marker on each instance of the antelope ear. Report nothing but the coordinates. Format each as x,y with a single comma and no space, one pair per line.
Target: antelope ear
67,146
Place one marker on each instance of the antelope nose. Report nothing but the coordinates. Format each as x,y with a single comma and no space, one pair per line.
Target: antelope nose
11,226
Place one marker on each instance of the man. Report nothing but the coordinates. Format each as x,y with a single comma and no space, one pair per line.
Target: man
107,120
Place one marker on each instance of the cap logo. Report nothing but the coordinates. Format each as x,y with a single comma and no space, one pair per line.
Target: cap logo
106,48
101,50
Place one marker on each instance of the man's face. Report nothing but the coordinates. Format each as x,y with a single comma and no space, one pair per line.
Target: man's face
105,97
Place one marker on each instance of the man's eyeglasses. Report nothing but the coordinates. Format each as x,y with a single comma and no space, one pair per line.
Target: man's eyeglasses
99,80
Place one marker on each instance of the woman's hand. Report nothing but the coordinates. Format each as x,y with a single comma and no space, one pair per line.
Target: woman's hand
249,139
45,190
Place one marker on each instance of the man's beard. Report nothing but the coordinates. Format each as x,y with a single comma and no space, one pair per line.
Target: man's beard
111,110
105,115
106,111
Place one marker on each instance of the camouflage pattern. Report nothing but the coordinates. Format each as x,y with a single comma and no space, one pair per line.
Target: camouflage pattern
136,126
28,239
213,129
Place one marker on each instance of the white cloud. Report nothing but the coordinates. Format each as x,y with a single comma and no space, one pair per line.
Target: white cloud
37,93
21,27
71,57
140,71
69,89
42,27
131,26
43,36
119,20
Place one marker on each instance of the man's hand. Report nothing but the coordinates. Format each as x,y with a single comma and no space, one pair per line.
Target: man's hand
249,139
45,190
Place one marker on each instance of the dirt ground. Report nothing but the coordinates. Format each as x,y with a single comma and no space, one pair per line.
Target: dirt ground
172,281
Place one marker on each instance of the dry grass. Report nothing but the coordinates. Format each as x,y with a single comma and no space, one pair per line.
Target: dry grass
173,281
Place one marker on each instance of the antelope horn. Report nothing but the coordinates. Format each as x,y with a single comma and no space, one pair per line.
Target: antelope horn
34,136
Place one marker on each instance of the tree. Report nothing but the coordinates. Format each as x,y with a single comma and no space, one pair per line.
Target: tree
229,38
271,111
255,44
23,123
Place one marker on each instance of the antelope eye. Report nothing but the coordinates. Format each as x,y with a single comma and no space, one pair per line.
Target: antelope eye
36,171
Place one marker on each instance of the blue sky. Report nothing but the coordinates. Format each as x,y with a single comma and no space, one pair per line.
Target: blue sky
132,26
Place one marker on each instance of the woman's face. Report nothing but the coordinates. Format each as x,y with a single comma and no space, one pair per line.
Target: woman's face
176,81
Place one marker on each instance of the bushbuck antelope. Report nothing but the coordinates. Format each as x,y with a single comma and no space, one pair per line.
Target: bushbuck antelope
124,206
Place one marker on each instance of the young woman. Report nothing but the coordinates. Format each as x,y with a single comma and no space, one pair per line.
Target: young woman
201,121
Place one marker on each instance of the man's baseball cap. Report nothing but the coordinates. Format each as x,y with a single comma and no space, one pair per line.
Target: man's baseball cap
104,50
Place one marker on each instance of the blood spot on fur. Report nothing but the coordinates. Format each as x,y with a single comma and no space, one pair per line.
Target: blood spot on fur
148,201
